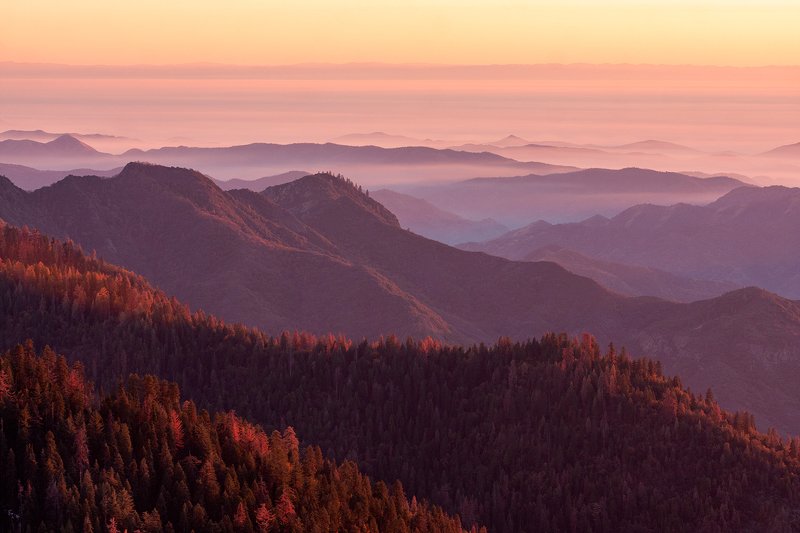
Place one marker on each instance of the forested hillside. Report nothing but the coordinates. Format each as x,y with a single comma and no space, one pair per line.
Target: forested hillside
141,460
548,435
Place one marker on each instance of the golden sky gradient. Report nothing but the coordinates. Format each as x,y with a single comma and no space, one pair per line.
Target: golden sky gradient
707,32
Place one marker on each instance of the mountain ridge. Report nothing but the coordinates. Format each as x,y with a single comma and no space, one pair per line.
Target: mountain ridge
339,264
744,237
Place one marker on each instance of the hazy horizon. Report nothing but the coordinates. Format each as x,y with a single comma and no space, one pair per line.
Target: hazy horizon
710,108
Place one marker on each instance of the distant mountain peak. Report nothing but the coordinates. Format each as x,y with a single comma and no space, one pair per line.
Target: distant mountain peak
509,141
656,144
188,183
68,142
311,192
787,150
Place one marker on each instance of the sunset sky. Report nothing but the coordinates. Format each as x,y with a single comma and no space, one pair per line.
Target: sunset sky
205,72
707,32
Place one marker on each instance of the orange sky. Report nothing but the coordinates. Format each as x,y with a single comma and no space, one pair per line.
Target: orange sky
718,32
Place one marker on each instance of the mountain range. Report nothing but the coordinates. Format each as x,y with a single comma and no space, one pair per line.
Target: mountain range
32,178
407,164
764,168
570,196
746,237
98,141
260,184
424,218
253,161
632,280
788,150
320,255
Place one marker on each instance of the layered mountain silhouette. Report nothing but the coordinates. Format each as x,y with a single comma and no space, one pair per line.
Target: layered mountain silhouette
46,136
320,255
387,140
424,218
630,279
62,151
747,237
767,168
32,178
260,184
63,145
571,196
789,150
256,160
410,163
656,146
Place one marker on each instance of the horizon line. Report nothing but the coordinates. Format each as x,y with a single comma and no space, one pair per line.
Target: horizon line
405,64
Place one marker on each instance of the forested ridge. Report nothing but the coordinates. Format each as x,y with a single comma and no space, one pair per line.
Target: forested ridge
545,435
141,460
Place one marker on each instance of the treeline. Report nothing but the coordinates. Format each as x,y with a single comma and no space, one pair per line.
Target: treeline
141,460
546,435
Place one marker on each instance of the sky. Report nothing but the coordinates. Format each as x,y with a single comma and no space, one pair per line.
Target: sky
698,32
719,75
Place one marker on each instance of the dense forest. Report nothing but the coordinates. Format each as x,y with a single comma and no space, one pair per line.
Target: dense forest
552,434
141,460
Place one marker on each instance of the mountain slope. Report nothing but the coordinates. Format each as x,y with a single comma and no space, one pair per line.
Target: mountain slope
236,254
260,184
319,255
631,280
747,237
789,150
424,218
292,257
549,432
141,459
572,195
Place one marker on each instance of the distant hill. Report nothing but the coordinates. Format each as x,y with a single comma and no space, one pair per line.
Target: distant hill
98,141
746,237
46,136
789,150
578,156
254,161
632,280
64,145
509,140
570,196
387,140
31,178
318,254
424,218
569,428
415,163
657,146
260,184
63,151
